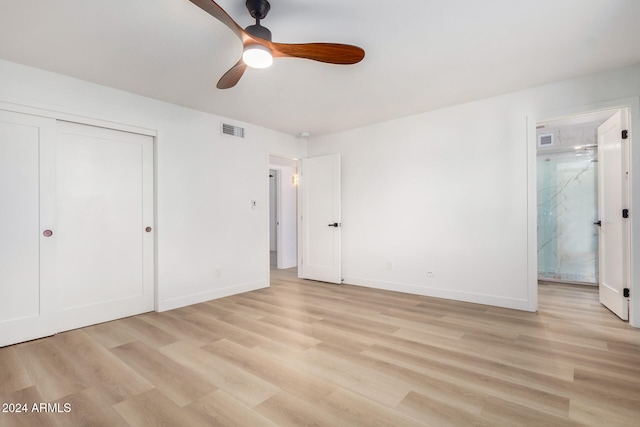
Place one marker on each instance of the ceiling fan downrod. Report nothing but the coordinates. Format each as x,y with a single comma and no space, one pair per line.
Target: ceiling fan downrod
258,9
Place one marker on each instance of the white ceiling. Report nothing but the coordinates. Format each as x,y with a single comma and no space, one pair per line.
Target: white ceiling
420,54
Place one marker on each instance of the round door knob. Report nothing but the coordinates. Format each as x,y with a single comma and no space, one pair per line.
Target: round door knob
148,229
47,233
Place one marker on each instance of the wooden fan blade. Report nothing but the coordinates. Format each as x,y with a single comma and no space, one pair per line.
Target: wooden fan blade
231,77
213,9
332,53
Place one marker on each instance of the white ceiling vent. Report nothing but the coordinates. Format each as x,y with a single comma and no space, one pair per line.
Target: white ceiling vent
231,130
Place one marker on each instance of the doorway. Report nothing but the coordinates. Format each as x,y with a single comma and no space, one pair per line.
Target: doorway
567,179
577,185
283,202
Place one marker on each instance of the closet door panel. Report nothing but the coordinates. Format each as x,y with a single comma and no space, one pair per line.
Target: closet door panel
26,302
104,187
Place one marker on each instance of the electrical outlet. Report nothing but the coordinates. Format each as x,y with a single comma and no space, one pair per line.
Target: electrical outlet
430,273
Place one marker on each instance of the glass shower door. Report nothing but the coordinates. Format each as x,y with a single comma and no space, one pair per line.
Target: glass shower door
567,210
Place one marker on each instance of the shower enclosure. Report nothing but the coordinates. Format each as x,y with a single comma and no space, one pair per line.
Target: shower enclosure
567,211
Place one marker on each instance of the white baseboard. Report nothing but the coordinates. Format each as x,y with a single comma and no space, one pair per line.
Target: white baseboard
476,298
186,300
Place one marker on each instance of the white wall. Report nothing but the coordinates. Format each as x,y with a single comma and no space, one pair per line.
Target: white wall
452,191
210,241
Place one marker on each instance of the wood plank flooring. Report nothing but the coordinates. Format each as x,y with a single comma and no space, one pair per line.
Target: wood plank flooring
304,353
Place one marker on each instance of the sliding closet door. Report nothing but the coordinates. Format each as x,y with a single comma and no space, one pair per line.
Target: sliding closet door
104,231
76,226
27,288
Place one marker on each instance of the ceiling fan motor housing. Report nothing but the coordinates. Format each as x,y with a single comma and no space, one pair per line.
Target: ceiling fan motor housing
258,9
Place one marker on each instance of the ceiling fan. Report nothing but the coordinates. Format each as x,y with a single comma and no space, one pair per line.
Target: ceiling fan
259,50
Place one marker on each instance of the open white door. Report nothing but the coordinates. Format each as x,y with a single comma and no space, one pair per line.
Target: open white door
612,200
320,219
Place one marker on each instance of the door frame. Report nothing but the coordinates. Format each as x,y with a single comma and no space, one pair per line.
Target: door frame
632,106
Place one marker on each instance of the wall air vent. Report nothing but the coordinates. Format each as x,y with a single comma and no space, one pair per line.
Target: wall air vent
231,130
545,140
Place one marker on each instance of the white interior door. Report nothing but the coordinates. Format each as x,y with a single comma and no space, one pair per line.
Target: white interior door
104,205
612,199
27,296
321,219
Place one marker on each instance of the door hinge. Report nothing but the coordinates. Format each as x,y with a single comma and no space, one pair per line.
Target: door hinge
625,134
625,213
625,292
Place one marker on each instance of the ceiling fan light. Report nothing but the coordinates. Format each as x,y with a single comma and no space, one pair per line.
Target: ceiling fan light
257,56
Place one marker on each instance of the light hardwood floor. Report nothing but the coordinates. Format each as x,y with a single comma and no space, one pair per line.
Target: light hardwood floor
306,353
